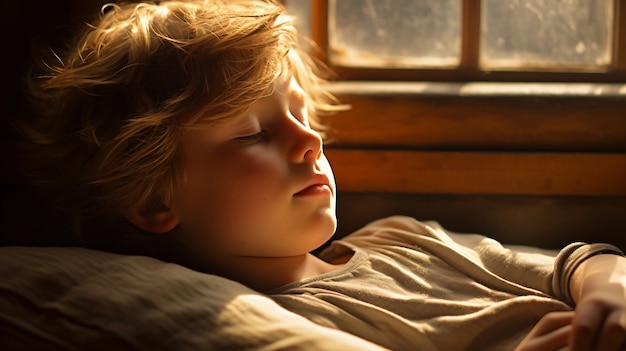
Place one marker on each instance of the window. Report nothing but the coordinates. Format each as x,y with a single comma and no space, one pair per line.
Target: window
374,33
547,34
461,40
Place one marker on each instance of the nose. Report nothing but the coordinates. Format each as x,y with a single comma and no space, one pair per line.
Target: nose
306,143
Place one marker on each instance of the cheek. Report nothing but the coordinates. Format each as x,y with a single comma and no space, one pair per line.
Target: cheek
234,193
255,175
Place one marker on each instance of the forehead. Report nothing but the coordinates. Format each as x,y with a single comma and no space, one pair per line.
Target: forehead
285,84
284,87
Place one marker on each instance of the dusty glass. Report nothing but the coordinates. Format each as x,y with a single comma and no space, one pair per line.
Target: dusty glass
546,34
395,33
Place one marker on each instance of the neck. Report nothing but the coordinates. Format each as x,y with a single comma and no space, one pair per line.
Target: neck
262,273
259,273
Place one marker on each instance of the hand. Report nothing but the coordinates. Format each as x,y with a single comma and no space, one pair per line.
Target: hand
551,333
599,289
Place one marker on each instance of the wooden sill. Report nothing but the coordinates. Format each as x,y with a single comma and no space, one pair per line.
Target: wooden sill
554,117
538,139
490,89
479,173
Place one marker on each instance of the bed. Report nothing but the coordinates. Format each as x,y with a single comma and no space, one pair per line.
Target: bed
81,299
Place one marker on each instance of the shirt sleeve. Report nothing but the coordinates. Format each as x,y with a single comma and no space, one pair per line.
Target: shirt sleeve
548,271
514,268
569,259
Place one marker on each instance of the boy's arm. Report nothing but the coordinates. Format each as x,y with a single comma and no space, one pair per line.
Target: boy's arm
598,286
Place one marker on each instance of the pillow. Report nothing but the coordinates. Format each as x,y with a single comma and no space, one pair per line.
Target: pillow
79,299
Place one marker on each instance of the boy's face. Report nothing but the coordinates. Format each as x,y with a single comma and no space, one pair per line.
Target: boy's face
260,186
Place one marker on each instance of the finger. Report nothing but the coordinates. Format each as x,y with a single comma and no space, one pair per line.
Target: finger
550,333
552,321
586,325
554,340
613,333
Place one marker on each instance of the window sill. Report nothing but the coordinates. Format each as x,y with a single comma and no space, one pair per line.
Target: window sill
481,116
541,139
479,89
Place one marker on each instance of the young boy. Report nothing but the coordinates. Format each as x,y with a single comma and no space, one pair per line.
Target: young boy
198,123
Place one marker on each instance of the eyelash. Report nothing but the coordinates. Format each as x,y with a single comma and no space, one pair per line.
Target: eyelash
253,138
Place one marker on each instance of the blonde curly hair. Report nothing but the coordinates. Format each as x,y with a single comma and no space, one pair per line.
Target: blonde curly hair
111,110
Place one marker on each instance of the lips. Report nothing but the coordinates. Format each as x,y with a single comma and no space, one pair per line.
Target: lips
319,184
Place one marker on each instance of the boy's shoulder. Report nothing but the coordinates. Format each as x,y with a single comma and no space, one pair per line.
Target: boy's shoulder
397,223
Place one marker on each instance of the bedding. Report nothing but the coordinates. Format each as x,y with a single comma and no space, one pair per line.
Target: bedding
80,299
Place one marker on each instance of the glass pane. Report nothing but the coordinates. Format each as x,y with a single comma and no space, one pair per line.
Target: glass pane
394,33
548,34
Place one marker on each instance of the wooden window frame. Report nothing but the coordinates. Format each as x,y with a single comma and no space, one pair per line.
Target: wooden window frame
468,69
402,138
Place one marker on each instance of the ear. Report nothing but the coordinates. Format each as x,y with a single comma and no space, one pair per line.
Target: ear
158,222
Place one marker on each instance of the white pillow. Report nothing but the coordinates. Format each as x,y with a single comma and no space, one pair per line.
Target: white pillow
81,299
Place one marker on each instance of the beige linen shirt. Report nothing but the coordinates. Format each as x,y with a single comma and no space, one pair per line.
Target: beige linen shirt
415,286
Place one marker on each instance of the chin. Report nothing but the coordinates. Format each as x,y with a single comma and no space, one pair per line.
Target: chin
327,226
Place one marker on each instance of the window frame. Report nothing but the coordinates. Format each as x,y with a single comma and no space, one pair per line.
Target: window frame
468,68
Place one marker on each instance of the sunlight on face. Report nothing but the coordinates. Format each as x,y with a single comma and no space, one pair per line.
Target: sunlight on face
258,187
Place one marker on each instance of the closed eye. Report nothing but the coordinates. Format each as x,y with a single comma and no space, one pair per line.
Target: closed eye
253,138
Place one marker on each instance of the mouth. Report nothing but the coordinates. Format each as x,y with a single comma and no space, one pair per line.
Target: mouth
317,186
